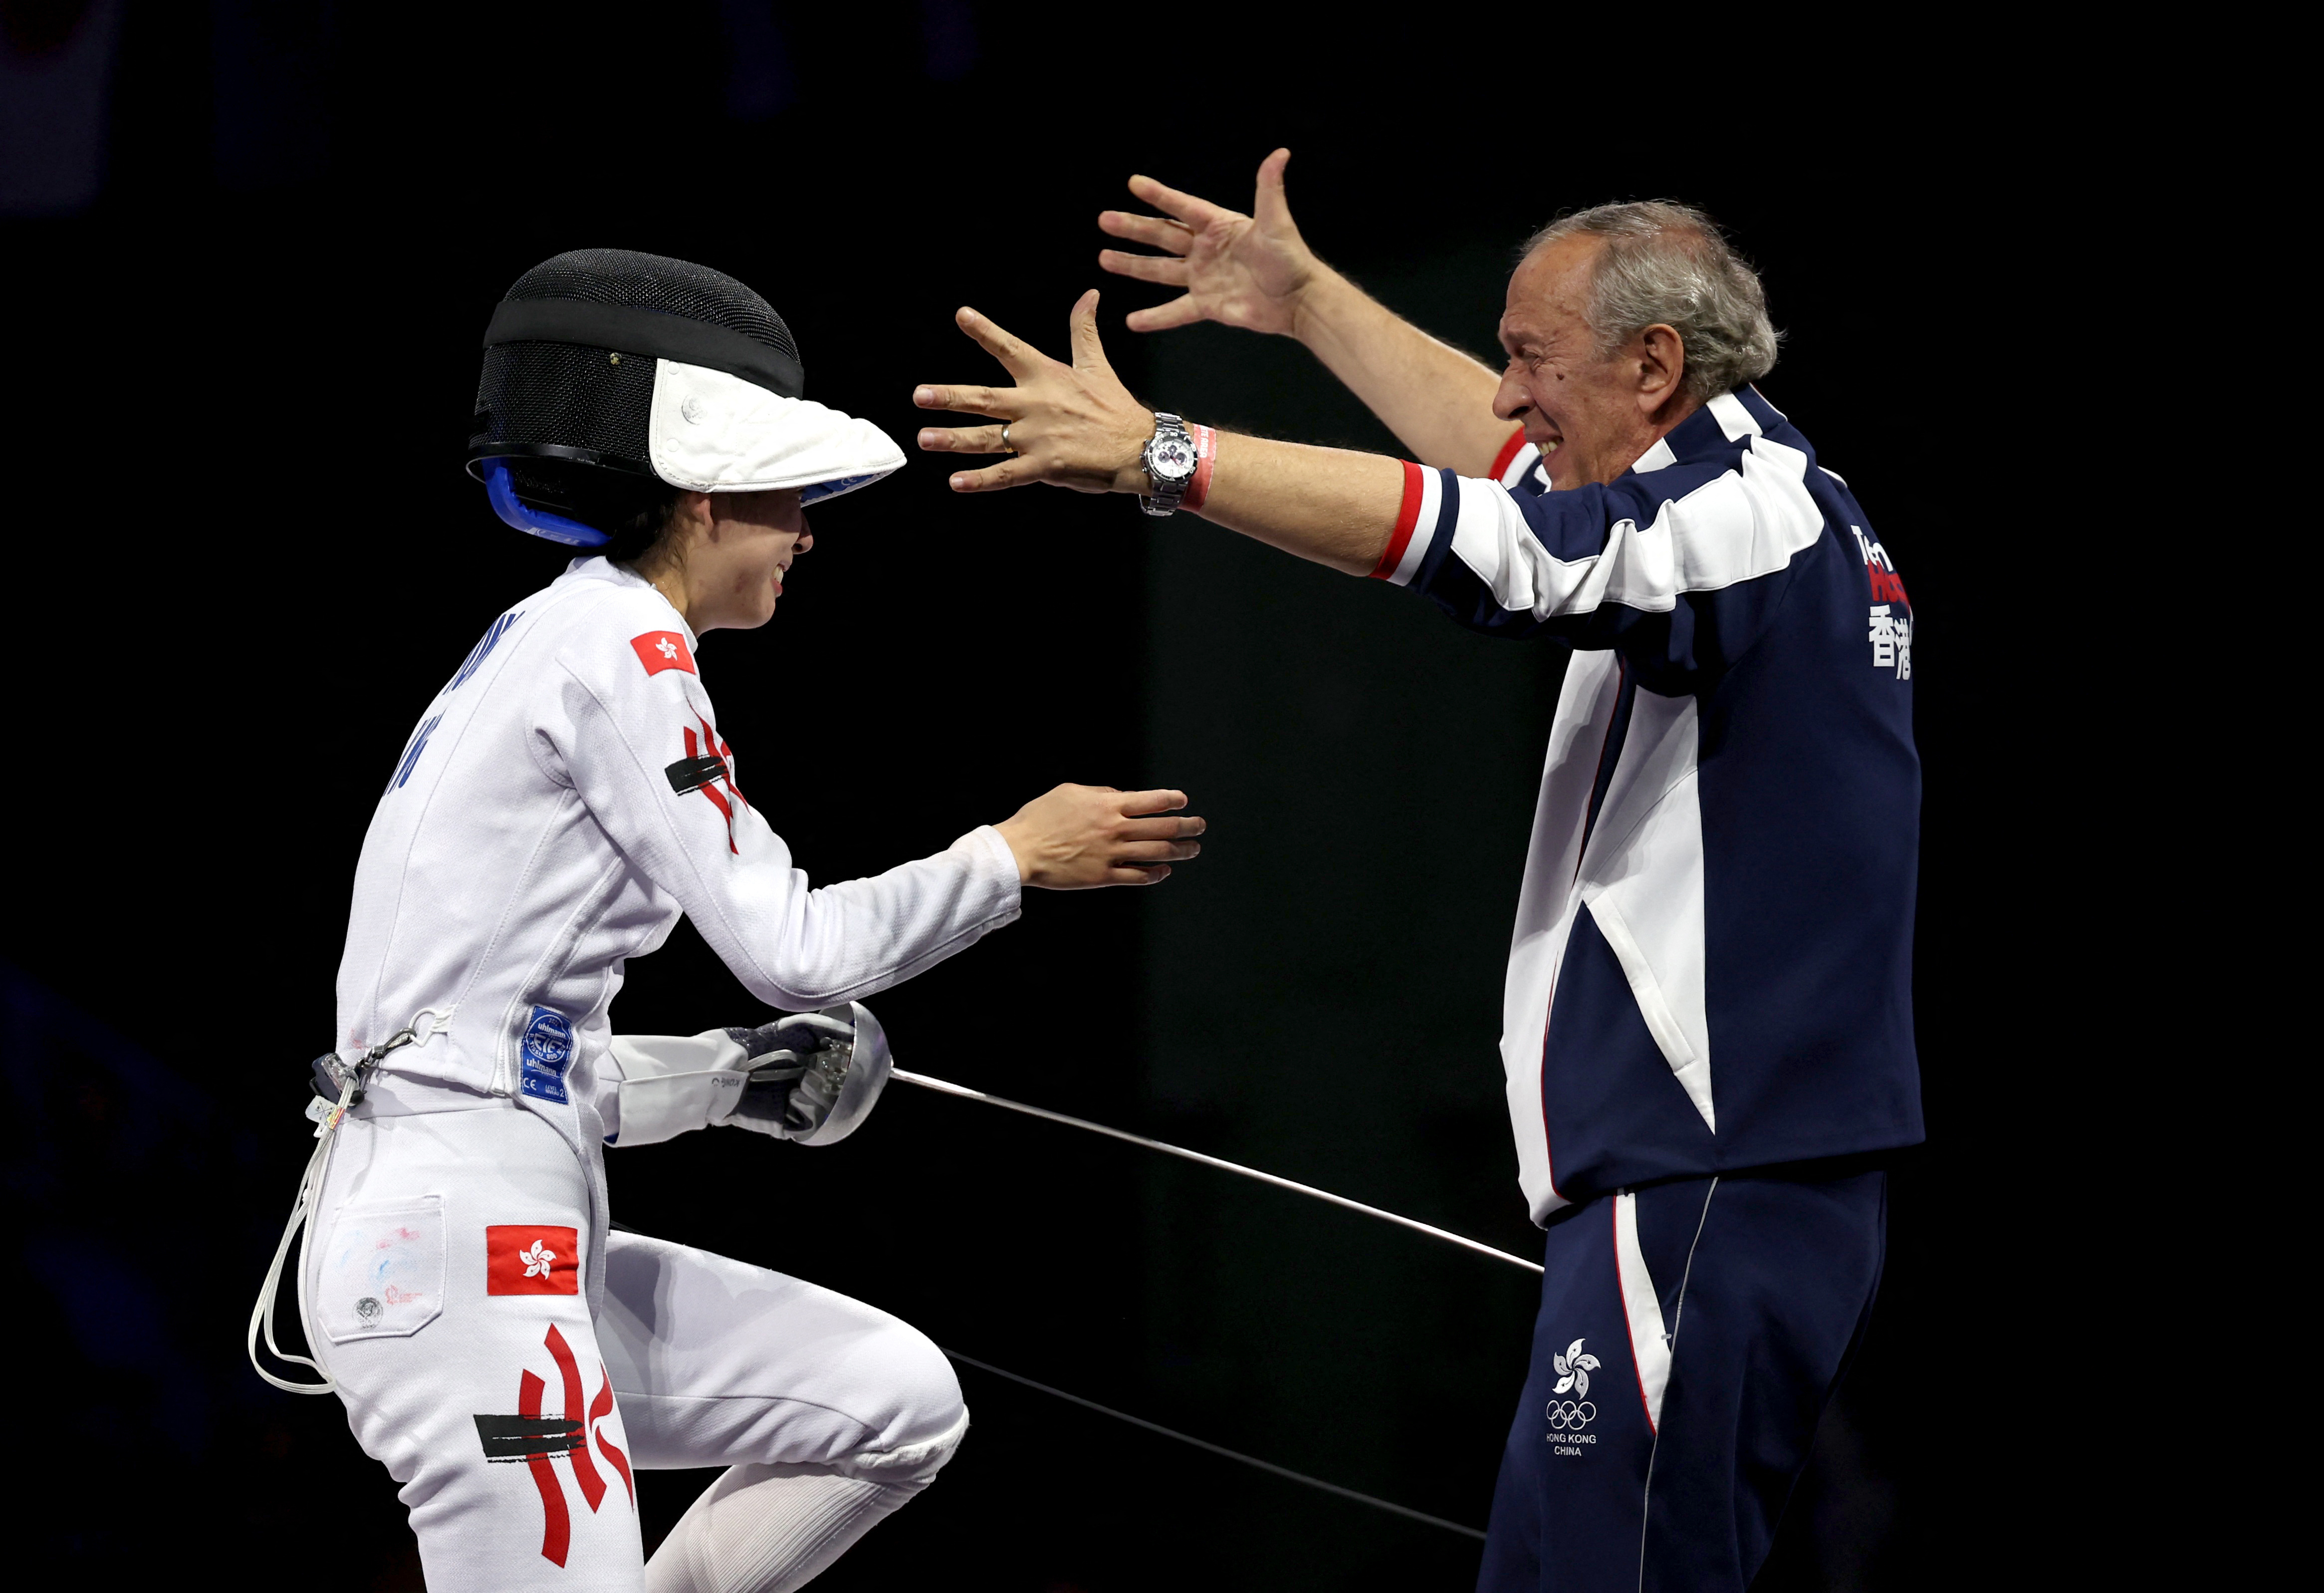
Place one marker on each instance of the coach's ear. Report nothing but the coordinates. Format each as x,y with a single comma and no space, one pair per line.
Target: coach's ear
1659,354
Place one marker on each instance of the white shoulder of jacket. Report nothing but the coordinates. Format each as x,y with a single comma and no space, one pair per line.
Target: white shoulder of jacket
613,628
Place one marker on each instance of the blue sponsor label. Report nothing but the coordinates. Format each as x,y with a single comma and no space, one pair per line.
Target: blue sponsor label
547,1052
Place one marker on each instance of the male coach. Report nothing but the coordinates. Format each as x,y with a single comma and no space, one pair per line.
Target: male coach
1707,1030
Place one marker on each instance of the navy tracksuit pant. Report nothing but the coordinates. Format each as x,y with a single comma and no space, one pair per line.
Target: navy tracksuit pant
1690,1335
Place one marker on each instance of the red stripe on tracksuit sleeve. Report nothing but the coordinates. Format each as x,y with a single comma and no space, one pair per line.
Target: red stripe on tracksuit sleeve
1408,516
1508,454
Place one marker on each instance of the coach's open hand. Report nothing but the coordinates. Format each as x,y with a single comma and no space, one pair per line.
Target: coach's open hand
1073,425
1251,272
1077,425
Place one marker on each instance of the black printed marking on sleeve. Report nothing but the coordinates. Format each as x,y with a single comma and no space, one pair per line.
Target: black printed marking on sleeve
694,774
513,1438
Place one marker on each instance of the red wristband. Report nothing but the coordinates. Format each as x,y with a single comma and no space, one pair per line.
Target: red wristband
1206,449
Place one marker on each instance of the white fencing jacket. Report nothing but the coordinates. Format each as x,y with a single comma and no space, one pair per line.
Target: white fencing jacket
565,797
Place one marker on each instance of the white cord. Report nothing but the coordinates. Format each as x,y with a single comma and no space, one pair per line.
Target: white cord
1204,1443
311,1188
326,1121
945,1087
261,1317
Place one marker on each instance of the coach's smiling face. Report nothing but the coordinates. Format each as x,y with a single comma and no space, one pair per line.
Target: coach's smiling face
1591,414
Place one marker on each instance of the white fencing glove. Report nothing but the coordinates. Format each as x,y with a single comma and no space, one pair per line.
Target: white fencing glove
812,1077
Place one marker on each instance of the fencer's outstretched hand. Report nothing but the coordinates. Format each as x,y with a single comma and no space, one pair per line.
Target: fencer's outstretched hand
1240,271
1081,836
1070,425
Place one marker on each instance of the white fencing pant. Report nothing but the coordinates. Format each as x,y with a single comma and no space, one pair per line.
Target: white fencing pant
445,1295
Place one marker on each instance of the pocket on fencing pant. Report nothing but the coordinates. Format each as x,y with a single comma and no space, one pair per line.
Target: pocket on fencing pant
381,1274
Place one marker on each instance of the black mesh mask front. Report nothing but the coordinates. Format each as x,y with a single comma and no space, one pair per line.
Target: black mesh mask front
571,419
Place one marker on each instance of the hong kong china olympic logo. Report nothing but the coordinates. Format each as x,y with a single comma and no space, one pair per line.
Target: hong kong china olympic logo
1572,1369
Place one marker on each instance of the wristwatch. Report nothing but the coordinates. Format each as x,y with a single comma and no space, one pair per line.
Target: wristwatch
1169,464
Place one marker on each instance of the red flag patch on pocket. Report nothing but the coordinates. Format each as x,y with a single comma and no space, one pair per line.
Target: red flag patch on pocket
663,650
527,1260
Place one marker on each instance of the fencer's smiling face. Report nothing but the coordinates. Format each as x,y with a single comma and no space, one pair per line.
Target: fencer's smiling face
733,551
1591,414
755,539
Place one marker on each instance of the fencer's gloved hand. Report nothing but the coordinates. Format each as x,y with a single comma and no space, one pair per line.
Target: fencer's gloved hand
811,1078
814,1075
797,1064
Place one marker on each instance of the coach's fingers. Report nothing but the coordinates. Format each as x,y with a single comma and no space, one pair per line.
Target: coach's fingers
963,439
1159,231
1018,357
1001,403
1269,206
994,478
1181,312
1140,802
1138,876
1088,348
1147,268
1197,213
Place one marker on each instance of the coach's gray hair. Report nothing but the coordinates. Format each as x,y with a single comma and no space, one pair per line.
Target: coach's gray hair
1670,263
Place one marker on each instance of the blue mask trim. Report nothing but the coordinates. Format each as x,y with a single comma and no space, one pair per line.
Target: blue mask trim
539,522
832,489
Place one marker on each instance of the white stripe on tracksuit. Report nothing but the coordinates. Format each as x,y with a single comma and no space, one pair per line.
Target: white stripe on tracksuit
1642,877
1650,1345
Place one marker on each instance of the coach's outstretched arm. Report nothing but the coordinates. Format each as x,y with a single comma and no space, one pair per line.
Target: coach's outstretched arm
1592,413
1257,272
1679,564
1077,425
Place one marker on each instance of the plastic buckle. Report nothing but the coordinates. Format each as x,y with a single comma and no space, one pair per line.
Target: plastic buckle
330,1078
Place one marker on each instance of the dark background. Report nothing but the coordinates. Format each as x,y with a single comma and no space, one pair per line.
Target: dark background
248,251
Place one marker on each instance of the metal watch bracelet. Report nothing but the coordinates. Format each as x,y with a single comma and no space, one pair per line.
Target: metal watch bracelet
1171,445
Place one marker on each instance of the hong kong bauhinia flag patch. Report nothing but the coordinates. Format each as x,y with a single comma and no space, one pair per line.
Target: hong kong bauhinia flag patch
663,650
528,1260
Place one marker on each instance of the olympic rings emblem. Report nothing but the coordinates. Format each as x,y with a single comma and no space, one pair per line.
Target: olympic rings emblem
1570,1415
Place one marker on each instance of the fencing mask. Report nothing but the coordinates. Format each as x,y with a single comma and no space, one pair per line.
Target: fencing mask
610,376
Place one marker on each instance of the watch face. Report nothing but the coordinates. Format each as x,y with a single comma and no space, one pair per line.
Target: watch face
1171,459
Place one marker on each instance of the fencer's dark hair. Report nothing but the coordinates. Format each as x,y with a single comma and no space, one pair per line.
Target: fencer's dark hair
568,377
635,537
